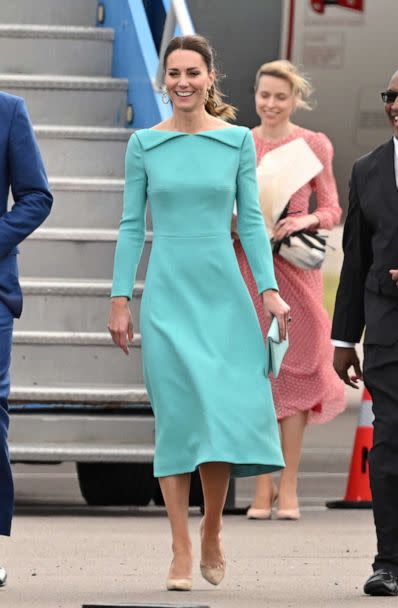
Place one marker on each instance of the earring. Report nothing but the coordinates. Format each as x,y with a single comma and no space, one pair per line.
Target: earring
165,97
207,96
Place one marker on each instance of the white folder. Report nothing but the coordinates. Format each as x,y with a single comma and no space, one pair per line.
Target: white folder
281,173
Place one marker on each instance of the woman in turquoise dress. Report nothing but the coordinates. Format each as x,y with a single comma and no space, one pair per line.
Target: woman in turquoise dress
205,362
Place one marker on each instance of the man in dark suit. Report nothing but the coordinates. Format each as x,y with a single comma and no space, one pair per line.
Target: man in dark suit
21,168
368,296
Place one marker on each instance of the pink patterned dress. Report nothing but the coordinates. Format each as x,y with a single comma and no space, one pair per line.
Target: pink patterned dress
307,380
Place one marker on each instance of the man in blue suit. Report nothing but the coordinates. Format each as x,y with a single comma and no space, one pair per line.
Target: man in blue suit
22,169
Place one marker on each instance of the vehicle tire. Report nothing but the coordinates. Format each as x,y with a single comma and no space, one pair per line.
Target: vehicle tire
195,494
116,483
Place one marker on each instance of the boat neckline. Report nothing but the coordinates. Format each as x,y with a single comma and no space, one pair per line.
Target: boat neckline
196,132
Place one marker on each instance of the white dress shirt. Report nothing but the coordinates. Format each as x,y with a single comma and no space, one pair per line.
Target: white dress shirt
341,343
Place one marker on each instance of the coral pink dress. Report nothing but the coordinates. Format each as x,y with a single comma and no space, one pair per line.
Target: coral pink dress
307,380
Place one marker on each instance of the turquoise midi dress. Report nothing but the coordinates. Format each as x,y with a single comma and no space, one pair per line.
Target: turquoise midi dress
204,358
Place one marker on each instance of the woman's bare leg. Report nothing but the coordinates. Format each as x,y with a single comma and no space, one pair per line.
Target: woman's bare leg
215,480
264,492
175,490
292,432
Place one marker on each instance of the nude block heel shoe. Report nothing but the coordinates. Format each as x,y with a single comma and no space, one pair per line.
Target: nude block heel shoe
212,574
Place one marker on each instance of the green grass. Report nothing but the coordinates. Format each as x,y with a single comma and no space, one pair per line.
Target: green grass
330,282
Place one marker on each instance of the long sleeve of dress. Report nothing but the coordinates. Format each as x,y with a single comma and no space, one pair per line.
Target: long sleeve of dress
327,209
132,225
251,226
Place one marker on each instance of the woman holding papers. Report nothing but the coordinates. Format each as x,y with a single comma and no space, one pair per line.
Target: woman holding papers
293,163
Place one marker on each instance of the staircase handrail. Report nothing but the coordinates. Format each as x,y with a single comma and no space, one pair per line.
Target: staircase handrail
177,15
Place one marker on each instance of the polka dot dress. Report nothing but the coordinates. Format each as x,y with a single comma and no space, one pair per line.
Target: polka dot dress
307,380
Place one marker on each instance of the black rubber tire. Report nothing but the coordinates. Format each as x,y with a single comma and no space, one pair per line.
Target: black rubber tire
116,483
195,494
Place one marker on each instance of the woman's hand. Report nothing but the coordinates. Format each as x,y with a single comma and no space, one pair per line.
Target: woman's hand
274,306
120,323
290,224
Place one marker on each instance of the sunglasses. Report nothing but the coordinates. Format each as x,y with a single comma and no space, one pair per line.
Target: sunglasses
389,96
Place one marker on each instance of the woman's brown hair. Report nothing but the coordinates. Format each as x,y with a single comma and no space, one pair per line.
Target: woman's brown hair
300,84
214,104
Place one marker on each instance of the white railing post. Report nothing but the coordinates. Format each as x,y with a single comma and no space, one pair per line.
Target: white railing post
178,14
183,17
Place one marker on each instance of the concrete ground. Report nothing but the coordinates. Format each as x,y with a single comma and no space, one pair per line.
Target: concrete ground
70,558
64,554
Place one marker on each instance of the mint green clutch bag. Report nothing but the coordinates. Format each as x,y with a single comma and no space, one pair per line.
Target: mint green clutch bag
276,348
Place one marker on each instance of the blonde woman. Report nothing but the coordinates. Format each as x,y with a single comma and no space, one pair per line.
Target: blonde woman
307,390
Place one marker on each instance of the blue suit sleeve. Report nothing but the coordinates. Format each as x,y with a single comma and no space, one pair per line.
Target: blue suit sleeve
132,225
29,186
251,228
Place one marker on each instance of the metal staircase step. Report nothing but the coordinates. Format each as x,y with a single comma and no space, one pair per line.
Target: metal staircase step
49,49
79,394
73,234
89,438
73,358
70,100
89,184
67,287
83,151
69,338
70,32
86,202
67,12
85,133
72,428
74,253
96,406
70,305
46,451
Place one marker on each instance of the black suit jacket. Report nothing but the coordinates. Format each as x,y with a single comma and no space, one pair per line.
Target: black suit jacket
367,296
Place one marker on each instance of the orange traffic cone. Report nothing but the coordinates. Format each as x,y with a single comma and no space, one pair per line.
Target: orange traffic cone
358,494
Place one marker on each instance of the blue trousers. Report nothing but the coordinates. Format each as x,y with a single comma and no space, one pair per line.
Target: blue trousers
6,483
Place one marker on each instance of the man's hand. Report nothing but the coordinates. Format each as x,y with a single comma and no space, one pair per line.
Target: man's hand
344,359
394,276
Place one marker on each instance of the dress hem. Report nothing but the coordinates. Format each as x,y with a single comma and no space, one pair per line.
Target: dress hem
320,412
257,468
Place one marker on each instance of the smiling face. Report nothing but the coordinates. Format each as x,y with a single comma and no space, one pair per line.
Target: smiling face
391,109
187,80
275,101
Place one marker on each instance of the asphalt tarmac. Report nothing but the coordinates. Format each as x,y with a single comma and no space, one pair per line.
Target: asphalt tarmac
63,554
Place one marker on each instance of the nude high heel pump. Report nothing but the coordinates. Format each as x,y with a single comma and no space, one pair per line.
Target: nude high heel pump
212,574
291,514
254,513
178,584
